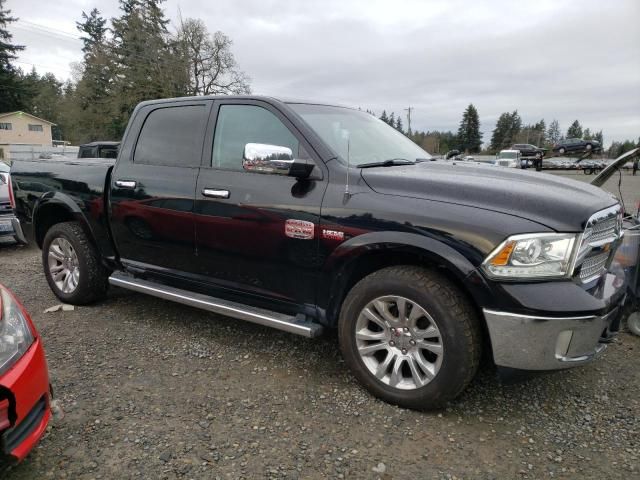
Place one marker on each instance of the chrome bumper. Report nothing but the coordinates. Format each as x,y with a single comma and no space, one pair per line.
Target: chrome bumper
545,343
18,234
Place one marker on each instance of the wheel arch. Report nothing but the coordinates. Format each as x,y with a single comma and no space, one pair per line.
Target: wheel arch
359,257
56,207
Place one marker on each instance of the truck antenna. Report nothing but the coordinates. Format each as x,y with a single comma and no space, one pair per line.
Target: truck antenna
347,194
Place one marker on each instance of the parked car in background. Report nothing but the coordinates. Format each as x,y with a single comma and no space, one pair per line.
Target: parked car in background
24,382
528,150
9,224
508,158
99,150
576,145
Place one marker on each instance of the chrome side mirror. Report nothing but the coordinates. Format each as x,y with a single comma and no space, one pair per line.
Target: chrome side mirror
273,159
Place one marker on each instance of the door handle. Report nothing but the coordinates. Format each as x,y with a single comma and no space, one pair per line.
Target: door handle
130,184
215,193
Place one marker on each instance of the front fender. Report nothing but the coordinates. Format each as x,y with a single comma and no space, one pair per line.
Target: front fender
336,277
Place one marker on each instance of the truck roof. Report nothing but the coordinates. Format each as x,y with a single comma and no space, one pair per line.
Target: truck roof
244,97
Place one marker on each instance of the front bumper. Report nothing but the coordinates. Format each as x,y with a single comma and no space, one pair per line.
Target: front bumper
17,232
527,342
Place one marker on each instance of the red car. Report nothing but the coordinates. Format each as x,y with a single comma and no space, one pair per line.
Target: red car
24,381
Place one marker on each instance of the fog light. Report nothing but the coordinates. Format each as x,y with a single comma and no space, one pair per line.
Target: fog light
563,342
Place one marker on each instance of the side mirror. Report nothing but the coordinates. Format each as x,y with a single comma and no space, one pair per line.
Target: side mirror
274,159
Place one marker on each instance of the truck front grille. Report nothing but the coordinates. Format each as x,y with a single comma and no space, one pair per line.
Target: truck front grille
5,207
602,230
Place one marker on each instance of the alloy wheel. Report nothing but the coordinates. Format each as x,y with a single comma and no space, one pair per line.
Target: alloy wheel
63,265
399,342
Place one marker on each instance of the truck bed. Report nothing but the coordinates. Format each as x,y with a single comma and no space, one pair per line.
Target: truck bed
42,183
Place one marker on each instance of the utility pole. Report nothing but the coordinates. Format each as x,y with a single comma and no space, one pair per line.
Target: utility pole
408,110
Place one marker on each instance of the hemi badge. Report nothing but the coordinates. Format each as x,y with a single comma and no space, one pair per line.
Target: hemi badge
299,229
332,234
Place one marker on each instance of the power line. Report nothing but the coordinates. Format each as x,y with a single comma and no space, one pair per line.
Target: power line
35,27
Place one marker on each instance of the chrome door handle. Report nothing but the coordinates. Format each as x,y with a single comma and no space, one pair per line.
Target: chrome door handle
215,193
126,184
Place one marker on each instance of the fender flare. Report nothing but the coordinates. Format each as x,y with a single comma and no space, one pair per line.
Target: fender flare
56,200
339,265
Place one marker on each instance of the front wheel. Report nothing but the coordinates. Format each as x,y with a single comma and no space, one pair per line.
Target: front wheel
72,265
410,337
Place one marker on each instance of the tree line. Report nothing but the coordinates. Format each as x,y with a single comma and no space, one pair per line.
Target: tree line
509,130
128,59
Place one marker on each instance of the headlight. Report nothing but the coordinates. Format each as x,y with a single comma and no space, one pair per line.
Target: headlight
531,256
15,334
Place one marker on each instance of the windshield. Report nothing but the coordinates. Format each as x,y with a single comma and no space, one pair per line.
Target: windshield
509,155
366,138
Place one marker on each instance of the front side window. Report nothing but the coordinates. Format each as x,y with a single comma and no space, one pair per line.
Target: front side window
357,135
172,136
6,126
35,128
238,125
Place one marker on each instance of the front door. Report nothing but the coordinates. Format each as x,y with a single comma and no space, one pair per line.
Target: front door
153,187
257,233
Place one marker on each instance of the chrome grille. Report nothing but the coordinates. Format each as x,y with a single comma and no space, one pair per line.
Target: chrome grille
593,266
603,228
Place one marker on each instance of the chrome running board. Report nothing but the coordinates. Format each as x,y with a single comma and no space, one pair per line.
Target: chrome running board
298,324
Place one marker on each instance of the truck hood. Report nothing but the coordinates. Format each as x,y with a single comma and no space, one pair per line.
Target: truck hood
561,204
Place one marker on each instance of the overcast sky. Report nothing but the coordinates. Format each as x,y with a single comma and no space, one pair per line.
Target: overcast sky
548,59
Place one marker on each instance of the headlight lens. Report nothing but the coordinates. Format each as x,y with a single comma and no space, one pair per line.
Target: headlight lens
531,256
15,334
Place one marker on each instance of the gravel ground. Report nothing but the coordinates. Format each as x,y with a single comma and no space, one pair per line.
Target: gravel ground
157,390
154,389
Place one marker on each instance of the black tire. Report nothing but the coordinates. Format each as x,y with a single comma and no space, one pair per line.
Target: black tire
561,151
451,311
92,283
588,147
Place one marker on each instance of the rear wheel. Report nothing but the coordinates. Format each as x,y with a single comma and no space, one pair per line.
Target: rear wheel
561,151
72,265
588,147
410,337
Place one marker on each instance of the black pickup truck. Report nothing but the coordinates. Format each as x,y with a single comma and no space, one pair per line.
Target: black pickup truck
306,216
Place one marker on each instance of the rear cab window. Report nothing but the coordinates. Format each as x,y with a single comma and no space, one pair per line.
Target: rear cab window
172,136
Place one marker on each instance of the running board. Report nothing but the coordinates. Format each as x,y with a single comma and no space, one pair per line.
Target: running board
298,324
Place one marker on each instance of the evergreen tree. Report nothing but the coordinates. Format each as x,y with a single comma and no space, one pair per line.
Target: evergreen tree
599,138
553,133
586,135
392,120
469,135
575,130
398,125
14,93
148,64
94,99
384,117
507,129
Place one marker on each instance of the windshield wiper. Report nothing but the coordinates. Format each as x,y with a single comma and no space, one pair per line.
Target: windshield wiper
392,162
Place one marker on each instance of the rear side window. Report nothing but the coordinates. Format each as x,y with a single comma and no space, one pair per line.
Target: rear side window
172,136
238,125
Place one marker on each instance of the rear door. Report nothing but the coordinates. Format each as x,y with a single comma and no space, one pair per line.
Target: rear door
257,233
153,187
